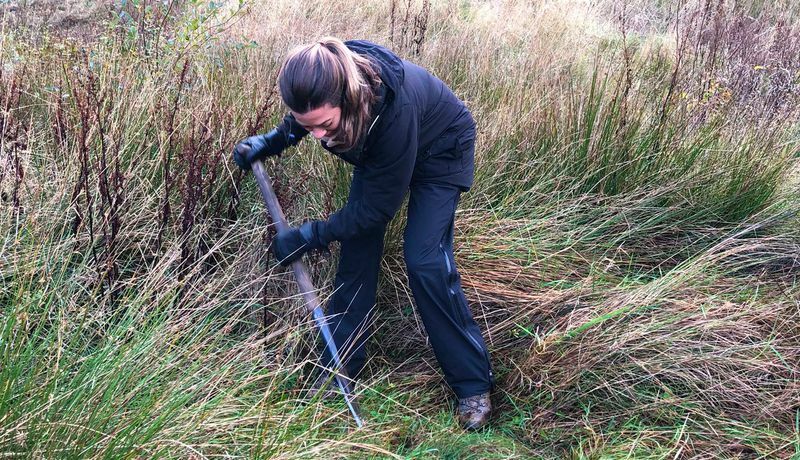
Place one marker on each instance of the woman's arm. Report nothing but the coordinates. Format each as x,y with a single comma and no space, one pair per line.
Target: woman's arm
288,133
386,175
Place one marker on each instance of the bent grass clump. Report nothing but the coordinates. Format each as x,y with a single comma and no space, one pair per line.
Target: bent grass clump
629,248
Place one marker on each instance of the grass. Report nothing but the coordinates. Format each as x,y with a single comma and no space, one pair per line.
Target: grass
630,247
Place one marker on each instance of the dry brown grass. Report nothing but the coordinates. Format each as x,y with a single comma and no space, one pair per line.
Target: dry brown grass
643,312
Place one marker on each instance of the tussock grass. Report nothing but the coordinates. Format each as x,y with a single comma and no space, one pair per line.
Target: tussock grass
630,247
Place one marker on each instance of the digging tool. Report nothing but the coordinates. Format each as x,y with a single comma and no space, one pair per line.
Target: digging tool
307,289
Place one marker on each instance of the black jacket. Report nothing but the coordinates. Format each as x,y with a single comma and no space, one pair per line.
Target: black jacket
423,132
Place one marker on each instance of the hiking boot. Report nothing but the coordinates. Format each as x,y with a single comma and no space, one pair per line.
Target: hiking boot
473,412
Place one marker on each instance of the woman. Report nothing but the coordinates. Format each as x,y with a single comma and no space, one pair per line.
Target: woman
404,131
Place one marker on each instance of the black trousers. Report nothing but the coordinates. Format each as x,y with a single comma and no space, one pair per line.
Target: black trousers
435,284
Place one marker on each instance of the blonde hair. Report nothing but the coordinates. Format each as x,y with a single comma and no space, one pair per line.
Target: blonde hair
328,72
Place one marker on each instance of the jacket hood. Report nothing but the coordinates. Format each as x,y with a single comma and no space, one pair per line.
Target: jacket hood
392,75
391,66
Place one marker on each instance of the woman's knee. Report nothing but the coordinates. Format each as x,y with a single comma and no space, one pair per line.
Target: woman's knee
421,259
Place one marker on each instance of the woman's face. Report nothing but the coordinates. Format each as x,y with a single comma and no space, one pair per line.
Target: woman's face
321,122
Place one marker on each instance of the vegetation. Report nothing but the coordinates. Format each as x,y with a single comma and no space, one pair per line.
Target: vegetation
631,246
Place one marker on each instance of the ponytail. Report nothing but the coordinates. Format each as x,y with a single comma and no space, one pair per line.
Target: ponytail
327,72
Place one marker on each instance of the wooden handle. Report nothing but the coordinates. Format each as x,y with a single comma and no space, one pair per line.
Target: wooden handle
307,290
276,213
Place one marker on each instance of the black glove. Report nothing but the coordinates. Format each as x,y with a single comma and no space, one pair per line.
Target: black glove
258,148
290,245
